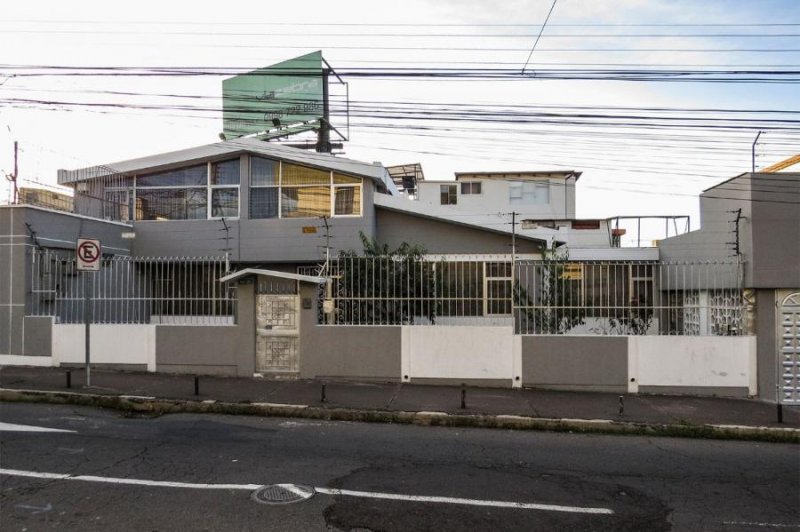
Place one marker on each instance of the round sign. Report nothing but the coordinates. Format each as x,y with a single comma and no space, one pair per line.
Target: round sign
88,252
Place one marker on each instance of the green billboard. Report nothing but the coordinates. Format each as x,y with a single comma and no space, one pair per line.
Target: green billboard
283,94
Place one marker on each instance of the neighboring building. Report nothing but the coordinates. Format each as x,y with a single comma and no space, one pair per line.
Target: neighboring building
755,217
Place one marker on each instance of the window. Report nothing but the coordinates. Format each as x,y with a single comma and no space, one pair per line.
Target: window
194,193
285,190
449,195
529,193
473,187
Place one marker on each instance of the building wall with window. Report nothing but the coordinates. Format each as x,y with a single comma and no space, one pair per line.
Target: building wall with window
543,197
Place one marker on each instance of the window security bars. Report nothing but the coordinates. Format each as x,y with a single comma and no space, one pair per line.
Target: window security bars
131,290
539,296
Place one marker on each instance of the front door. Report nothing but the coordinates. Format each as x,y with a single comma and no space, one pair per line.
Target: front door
789,349
277,334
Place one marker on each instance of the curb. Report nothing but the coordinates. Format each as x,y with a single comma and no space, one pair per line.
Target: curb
159,406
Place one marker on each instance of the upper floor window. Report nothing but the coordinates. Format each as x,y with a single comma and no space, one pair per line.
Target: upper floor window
448,194
200,192
472,187
529,193
285,190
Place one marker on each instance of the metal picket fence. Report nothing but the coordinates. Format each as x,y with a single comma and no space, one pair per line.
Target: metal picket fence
539,296
130,290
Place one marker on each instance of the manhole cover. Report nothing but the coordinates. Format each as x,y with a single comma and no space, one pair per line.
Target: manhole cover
283,493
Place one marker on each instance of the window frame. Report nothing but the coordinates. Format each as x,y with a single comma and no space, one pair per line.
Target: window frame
469,189
452,194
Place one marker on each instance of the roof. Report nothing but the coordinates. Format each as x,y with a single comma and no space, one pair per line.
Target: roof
272,273
493,223
374,171
755,176
518,174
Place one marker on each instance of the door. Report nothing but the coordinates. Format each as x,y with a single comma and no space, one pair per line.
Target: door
277,334
789,348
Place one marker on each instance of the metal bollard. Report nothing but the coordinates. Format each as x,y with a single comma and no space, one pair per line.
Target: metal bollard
69,379
621,405
322,394
780,412
197,385
463,395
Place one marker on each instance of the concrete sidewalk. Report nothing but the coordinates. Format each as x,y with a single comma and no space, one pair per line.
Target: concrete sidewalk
409,398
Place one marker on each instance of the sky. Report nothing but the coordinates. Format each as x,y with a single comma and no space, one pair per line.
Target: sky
645,147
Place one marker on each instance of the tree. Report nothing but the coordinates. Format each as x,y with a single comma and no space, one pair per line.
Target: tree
384,286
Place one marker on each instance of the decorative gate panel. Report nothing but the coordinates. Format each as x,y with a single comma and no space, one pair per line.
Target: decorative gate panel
789,348
277,334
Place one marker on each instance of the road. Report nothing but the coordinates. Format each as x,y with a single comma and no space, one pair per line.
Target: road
199,472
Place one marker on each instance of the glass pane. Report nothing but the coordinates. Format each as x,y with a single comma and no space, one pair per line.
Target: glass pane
263,172
305,202
225,173
345,179
264,202
347,200
225,203
302,175
191,176
171,204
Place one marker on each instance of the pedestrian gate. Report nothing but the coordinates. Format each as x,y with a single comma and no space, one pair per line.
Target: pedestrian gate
789,348
277,334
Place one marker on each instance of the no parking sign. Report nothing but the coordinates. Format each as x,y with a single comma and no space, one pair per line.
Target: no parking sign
88,254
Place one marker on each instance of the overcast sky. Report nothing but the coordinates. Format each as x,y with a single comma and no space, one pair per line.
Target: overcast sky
651,169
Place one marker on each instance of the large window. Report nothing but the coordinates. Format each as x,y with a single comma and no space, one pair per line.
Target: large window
470,187
529,193
194,193
292,191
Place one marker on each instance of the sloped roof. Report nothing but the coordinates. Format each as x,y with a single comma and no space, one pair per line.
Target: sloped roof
374,171
493,223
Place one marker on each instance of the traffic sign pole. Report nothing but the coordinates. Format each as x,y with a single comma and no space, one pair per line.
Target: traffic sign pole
87,319
87,259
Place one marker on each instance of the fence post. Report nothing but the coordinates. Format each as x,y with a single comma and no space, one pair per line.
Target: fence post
197,385
463,395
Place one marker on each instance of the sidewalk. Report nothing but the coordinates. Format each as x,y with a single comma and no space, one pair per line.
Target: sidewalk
397,397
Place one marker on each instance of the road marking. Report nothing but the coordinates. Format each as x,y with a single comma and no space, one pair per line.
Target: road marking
12,427
765,525
324,491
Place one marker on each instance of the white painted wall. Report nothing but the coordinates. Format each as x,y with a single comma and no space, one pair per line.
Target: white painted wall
110,344
720,361
455,352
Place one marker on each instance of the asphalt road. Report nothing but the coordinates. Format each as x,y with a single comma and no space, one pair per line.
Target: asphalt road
393,478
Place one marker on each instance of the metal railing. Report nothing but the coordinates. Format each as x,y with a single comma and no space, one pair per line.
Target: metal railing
538,296
131,290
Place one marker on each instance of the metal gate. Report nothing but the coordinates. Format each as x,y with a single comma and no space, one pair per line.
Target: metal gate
277,334
789,348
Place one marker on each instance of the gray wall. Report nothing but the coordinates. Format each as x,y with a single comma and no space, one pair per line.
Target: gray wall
766,346
394,228
211,350
776,231
598,363
367,353
38,334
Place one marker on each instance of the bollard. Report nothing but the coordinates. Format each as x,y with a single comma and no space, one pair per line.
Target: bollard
322,394
463,395
197,385
621,405
69,379
780,412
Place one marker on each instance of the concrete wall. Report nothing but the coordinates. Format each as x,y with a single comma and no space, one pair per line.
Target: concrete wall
132,346
767,348
360,352
693,364
575,362
775,231
472,354
394,228
211,350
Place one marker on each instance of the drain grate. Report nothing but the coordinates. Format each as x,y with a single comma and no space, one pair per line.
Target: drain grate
283,493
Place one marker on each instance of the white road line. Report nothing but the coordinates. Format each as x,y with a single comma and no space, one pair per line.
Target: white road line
469,502
13,427
764,525
324,491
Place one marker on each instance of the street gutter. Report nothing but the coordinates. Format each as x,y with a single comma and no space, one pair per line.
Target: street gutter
156,406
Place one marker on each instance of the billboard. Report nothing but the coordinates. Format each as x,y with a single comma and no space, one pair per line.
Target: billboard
288,93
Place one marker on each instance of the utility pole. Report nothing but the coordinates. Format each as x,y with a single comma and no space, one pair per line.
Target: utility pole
327,244
324,135
753,154
13,177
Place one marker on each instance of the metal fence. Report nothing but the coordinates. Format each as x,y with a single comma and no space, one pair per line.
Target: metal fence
538,296
131,290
